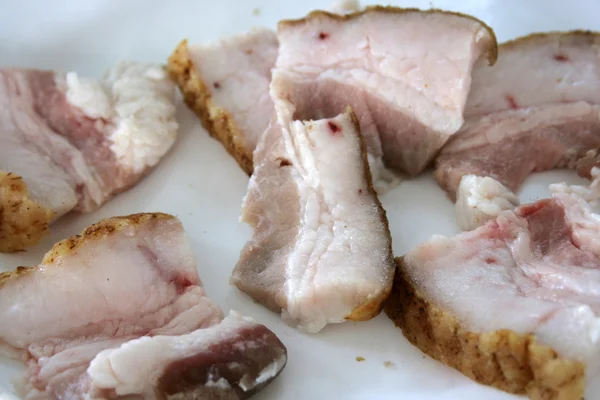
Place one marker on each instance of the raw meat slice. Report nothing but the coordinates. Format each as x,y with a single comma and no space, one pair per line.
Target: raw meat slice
77,142
321,248
538,107
227,84
233,359
515,303
408,93
122,279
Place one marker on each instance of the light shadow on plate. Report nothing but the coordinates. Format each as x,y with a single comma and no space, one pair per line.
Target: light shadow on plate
417,209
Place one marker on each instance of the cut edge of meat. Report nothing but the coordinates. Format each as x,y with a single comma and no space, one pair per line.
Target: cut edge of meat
491,53
542,35
218,122
64,247
373,306
365,310
551,59
504,359
23,222
102,228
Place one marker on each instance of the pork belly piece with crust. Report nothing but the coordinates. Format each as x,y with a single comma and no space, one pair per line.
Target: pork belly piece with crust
234,359
537,109
76,142
123,281
227,84
408,93
321,248
514,303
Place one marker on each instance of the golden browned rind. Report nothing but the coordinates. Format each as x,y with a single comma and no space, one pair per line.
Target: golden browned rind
372,306
509,361
217,121
99,230
491,52
105,227
566,38
23,221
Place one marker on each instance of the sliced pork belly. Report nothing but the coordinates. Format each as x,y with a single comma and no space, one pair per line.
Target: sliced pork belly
76,142
408,92
121,279
537,109
233,359
227,84
321,248
513,304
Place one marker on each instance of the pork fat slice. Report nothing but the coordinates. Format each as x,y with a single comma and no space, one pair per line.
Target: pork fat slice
408,93
530,276
227,84
321,249
537,109
76,142
236,357
123,280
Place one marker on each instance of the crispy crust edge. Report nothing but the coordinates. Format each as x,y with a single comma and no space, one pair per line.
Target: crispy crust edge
98,230
591,36
373,306
23,221
504,359
217,121
491,53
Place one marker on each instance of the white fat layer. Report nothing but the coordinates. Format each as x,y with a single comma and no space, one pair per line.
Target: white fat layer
480,199
136,366
267,373
221,383
138,100
341,257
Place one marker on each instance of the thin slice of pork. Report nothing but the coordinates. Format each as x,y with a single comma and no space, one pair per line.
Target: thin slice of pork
76,142
513,304
121,279
233,359
405,72
537,109
227,84
321,248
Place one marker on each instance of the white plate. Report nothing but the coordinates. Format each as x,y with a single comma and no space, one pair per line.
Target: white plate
203,186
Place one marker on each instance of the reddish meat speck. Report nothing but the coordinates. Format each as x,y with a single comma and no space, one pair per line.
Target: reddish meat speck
512,102
217,85
182,283
490,261
335,128
323,35
529,209
561,58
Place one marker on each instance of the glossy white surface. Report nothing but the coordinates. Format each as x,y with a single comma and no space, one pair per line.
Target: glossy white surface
203,186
